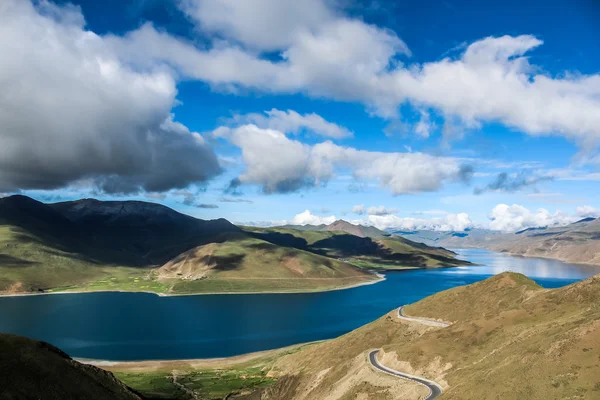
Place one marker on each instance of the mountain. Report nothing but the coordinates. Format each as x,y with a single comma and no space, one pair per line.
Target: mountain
139,233
138,246
36,370
510,339
578,242
464,239
387,252
341,226
357,230
240,262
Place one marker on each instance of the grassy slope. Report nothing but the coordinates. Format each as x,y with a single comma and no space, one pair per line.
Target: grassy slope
237,264
42,250
511,339
29,263
35,370
387,253
242,263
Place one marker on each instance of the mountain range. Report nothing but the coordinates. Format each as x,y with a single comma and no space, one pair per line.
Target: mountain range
138,246
578,242
342,226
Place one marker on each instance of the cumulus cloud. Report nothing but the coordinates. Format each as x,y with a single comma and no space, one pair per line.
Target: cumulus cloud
325,53
307,218
73,110
587,212
502,218
273,27
516,217
188,198
280,164
359,209
450,222
381,210
511,183
291,122
424,126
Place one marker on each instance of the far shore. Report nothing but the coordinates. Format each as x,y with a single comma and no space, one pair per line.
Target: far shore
380,277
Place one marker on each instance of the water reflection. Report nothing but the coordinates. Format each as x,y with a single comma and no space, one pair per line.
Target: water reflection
495,263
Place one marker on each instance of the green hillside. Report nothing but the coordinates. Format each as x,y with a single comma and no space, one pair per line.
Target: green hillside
241,263
391,252
89,245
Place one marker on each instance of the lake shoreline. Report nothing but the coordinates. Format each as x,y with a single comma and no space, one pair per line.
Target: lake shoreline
380,277
195,362
203,327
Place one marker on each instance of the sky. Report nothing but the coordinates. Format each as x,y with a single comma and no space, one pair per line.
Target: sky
428,114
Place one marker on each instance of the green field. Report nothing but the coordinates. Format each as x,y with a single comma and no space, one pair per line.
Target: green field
205,384
202,379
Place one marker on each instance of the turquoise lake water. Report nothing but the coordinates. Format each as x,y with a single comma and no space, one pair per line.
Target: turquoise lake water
141,326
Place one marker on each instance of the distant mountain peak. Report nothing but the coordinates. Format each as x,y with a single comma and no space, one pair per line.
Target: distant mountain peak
357,230
589,219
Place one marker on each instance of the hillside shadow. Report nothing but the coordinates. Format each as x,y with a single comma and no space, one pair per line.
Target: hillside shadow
345,246
281,239
261,246
230,262
14,262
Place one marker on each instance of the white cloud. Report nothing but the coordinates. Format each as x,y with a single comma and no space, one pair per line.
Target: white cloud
72,110
381,210
280,164
307,218
359,209
424,127
259,24
292,122
450,222
516,217
325,53
587,212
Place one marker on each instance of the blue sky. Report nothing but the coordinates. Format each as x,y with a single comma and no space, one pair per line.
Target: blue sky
428,114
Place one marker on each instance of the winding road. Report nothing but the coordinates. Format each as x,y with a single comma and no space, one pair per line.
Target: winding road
423,321
435,389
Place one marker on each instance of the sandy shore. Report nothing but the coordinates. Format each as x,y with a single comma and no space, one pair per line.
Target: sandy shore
200,363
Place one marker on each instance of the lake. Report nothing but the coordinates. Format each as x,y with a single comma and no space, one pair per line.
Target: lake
141,326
